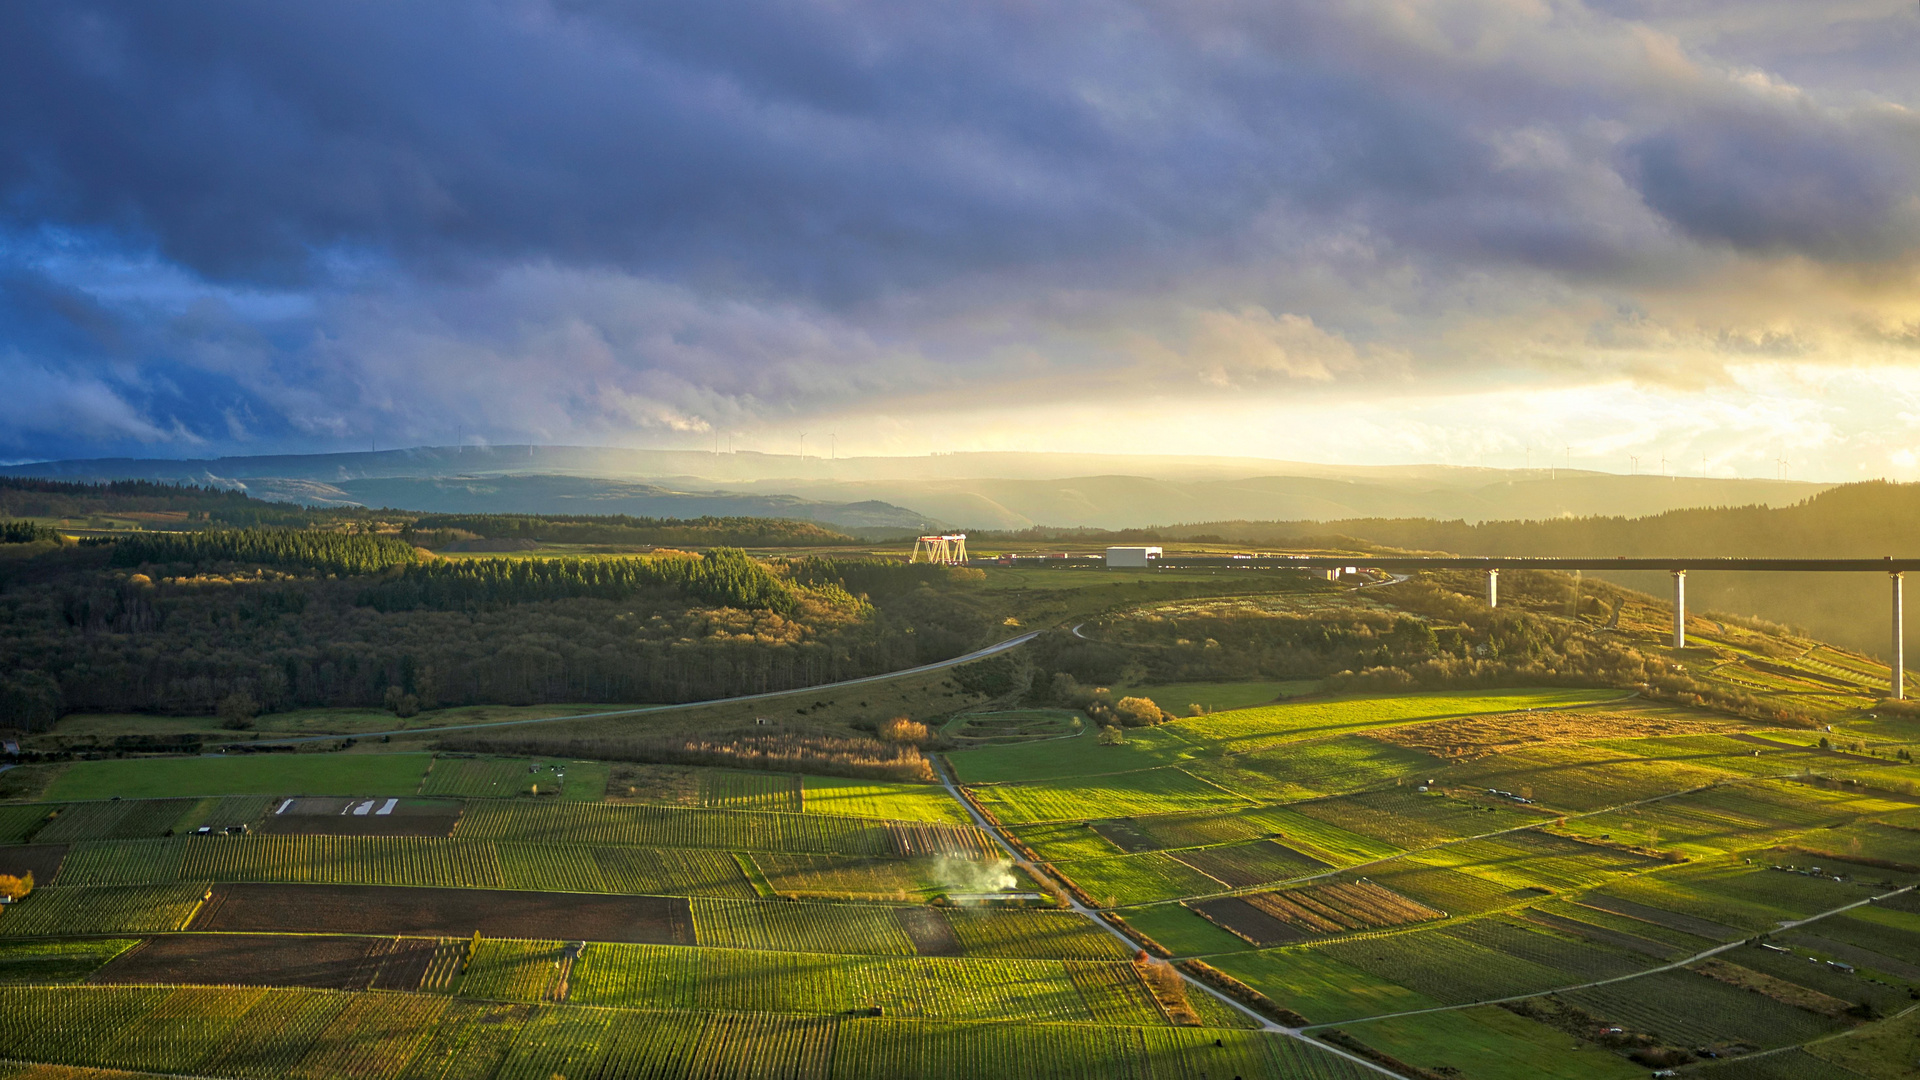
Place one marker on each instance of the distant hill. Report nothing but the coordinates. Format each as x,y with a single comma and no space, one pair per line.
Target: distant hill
998,491
1867,520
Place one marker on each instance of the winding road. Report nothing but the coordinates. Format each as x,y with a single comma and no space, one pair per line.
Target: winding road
977,654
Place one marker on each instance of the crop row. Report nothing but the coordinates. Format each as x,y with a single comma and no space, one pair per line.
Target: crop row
725,789
1410,819
1151,791
1304,770
1443,967
130,819
1341,906
1139,879
727,830
497,778
1030,935
407,860
1688,1009
1257,863
821,928
837,876
45,962
309,1035
677,977
124,909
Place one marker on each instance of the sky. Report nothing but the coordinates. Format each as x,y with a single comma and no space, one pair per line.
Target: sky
1646,235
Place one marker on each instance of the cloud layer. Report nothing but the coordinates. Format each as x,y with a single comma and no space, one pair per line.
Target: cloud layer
253,227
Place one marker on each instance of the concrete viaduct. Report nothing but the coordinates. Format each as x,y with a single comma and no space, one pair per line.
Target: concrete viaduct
1895,569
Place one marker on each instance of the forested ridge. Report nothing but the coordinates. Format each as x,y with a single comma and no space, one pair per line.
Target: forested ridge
179,623
189,506
626,529
165,507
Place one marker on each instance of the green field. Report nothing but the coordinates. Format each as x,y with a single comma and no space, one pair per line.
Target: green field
1176,698
255,774
1182,932
1494,1044
1154,791
871,799
1242,730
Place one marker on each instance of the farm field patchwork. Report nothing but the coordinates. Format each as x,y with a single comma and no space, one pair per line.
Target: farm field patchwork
732,830
323,1034
732,915
1289,915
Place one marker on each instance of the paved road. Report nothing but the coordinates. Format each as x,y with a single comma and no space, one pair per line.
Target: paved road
978,654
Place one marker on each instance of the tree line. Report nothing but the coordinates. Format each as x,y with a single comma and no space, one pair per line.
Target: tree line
726,577
304,549
26,532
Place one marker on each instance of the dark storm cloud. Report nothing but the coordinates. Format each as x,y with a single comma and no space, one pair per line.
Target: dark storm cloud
1780,182
815,147
277,221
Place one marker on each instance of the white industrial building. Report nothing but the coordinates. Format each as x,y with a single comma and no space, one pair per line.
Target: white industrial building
1131,556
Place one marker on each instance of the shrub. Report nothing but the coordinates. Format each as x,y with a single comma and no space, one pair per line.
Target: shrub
1112,736
1164,980
903,730
400,703
237,710
1138,712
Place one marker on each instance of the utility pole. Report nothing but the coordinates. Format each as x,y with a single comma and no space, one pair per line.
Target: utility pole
833,441
803,446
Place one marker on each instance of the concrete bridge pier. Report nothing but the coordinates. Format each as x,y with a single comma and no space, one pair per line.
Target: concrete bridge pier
1493,588
1679,609
1899,640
